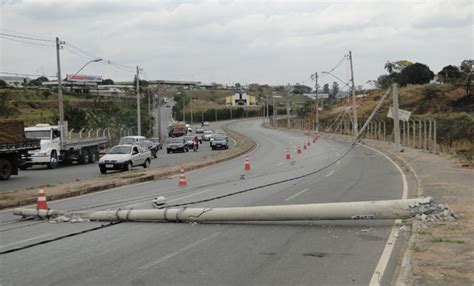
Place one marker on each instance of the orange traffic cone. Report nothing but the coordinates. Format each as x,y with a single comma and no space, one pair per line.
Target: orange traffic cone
306,132
41,203
298,149
247,164
314,139
182,177
304,146
309,143
287,154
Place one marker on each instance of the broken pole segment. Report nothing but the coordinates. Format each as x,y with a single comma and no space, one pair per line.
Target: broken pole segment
391,209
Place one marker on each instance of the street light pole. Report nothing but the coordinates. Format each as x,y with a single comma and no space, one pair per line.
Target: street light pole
316,87
139,123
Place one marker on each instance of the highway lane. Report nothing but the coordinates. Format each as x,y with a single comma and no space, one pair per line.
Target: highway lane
41,175
295,253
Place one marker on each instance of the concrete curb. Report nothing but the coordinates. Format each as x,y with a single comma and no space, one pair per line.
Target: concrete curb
244,143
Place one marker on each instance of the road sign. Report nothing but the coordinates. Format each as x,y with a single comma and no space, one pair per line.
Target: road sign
84,78
403,115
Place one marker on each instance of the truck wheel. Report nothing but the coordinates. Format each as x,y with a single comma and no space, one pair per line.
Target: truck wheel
93,157
146,164
103,170
53,161
5,169
84,157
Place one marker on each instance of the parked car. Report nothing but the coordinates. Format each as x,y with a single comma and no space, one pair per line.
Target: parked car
190,130
124,157
147,144
131,140
200,130
157,142
219,142
189,141
207,135
177,144
205,123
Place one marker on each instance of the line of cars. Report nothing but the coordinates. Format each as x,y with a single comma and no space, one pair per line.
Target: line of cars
130,152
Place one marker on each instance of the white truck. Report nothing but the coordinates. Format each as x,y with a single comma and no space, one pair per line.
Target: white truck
54,150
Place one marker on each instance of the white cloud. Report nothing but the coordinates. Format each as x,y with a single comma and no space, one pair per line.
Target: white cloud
239,41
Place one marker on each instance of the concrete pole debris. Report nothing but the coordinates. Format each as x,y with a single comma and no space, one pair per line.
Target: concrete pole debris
369,210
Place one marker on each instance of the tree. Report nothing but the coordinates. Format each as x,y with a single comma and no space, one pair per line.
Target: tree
384,81
397,66
326,88
335,90
107,82
449,74
416,73
466,67
3,83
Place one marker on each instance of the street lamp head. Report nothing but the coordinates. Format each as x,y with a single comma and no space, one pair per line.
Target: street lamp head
96,60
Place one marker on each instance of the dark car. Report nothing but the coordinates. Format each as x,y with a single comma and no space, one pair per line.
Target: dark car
177,144
157,143
219,142
148,144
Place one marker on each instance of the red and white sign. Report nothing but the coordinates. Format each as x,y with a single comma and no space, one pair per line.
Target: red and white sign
84,78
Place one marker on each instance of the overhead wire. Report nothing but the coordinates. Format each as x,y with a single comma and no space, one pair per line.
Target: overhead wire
27,38
26,42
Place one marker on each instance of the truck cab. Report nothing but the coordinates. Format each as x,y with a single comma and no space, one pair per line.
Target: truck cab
50,140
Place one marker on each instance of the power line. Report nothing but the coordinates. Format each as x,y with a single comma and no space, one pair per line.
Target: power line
24,34
26,42
339,63
27,38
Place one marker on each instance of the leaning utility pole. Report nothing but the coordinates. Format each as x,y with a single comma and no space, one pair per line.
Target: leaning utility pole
354,109
139,123
60,92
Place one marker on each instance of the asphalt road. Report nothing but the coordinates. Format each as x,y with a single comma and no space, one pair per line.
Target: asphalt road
41,175
240,253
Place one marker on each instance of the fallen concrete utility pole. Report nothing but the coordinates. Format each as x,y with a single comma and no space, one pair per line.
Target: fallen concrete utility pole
391,209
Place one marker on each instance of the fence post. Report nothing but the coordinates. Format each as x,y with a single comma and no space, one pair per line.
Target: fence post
80,132
425,141
413,125
430,142
70,133
420,129
384,131
97,132
435,143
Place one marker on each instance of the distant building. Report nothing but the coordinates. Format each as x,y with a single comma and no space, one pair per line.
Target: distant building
240,99
15,81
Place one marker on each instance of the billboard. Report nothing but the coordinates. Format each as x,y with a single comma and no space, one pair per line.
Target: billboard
84,78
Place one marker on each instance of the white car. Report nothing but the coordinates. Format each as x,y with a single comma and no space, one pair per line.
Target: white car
207,135
124,157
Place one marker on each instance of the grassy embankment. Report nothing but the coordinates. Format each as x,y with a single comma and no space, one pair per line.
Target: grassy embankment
449,106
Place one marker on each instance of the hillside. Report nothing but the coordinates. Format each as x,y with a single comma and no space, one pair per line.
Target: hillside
449,106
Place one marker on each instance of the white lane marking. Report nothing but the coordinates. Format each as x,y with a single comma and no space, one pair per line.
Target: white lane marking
338,162
279,164
392,239
171,255
295,195
330,173
25,240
